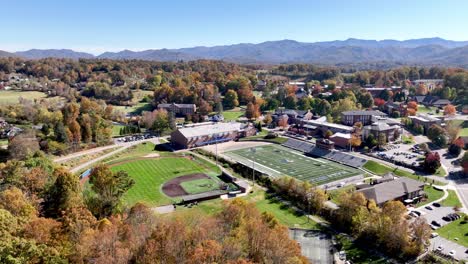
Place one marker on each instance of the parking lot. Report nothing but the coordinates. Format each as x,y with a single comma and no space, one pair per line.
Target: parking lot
133,138
436,214
401,153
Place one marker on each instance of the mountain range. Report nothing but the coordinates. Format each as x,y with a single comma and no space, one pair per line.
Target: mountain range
426,51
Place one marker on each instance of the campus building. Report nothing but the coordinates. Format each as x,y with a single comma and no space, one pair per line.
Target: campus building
210,133
425,121
179,109
321,126
391,132
402,189
364,116
294,116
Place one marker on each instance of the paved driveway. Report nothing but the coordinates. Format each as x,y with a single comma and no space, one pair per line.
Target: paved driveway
460,251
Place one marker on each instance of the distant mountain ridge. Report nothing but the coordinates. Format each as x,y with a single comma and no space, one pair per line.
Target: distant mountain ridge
426,51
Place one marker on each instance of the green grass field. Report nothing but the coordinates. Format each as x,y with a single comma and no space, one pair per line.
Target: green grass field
135,109
12,97
232,115
199,186
116,130
381,169
150,174
277,160
432,195
456,229
451,200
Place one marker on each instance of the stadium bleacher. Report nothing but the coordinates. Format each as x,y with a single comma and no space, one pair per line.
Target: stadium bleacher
299,145
333,155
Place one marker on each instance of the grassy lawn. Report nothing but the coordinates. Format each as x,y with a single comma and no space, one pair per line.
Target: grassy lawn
12,97
116,130
424,110
451,200
440,172
407,139
135,109
456,229
464,132
199,186
150,175
432,195
3,142
381,169
232,115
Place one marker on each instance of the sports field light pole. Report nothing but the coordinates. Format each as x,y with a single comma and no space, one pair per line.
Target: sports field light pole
253,166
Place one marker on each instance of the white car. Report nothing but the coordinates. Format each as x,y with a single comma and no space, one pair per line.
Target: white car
452,252
342,255
440,248
434,235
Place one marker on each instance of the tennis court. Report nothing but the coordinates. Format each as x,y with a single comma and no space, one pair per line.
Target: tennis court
276,160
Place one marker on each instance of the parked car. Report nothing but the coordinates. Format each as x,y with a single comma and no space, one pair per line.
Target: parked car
428,207
434,235
436,204
342,255
452,252
435,223
440,248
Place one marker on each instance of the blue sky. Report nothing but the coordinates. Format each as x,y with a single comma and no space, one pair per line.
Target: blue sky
99,25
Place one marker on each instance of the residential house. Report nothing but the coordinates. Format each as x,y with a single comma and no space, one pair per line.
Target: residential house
429,100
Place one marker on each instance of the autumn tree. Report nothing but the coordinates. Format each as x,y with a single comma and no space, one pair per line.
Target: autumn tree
437,135
64,193
109,187
230,99
252,111
431,162
449,110
355,141
23,144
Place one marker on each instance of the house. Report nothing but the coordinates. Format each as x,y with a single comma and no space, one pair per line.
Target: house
391,132
209,133
341,139
179,109
401,189
294,116
364,116
425,121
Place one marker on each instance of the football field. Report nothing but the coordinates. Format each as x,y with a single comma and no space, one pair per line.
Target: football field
276,160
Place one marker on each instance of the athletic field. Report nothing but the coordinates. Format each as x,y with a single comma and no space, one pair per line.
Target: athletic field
276,160
188,175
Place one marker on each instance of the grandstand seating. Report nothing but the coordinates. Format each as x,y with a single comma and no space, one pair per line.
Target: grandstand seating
337,156
299,145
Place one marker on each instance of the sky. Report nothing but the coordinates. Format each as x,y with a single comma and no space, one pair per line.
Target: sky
96,26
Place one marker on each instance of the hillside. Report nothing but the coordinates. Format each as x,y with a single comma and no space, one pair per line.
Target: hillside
428,51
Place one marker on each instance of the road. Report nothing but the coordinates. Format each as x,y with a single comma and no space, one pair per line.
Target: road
120,147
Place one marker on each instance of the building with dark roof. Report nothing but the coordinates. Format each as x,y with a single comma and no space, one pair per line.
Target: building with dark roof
179,109
401,189
294,116
364,116
429,100
391,132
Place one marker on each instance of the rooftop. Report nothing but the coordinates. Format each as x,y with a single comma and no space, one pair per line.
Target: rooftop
323,122
391,190
364,112
210,129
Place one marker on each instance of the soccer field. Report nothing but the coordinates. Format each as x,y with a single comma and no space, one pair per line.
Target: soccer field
276,160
